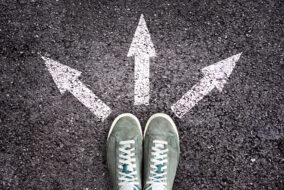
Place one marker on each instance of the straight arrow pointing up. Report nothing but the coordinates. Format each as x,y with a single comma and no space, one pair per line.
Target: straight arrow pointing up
142,49
215,75
66,79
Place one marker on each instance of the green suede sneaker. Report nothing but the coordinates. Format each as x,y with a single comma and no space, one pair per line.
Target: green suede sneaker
161,152
124,153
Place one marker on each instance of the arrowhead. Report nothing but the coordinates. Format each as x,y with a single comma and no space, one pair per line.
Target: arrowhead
219,72
62,75
141,43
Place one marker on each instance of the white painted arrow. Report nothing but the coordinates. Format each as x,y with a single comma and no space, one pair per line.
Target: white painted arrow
66,79
142,48
215,75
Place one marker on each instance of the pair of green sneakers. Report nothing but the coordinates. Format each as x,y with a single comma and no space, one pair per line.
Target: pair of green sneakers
125,152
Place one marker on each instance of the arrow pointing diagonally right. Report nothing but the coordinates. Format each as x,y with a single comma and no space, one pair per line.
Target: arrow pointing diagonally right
215,75
66,79
142,48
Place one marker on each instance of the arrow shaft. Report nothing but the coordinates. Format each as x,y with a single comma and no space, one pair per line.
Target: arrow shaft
142,80
193,96
215,75
89,99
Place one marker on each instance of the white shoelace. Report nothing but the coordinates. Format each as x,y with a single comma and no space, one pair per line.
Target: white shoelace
127,166
158,172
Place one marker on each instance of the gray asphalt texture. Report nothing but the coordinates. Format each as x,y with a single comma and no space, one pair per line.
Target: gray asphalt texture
232,139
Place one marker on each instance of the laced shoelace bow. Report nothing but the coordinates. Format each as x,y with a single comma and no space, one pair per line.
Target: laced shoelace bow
127,166
158,172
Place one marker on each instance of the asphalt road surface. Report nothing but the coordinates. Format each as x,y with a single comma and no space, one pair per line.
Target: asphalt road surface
232,139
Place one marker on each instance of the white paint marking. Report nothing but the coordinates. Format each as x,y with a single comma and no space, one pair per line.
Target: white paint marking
215,75
66,79
142,48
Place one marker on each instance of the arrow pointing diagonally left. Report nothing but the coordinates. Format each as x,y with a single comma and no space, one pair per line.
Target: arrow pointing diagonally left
215,75
142,48
66,79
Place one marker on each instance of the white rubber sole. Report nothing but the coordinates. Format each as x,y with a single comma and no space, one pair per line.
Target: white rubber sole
163,116
124,115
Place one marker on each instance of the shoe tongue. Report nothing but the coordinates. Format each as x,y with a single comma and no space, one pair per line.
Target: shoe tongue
127,187
124,169
157,187
159,168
